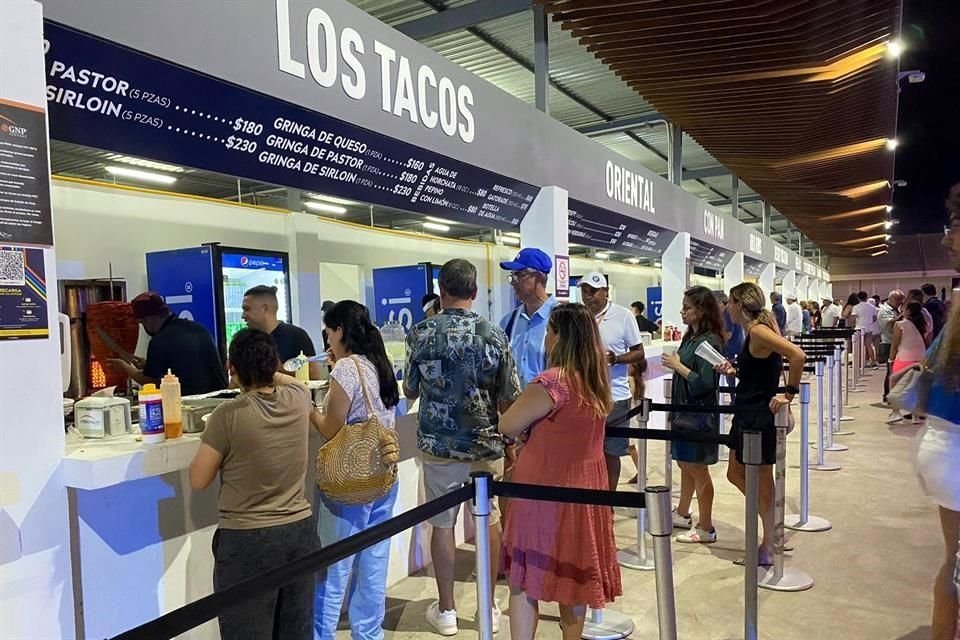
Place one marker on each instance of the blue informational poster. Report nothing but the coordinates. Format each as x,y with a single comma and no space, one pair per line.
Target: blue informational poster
654,304
398,292
150,108
23,294
185,279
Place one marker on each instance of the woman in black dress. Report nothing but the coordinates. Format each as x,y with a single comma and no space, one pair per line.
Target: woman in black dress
759,370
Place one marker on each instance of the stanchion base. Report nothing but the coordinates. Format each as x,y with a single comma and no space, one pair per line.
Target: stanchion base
824,467
791,580
844,433
613,626
629,558
836,447
847,418
812,525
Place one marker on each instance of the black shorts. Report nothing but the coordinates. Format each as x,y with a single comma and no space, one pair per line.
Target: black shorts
768,431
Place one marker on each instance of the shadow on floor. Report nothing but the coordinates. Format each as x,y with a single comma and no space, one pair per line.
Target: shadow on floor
904,430
920,633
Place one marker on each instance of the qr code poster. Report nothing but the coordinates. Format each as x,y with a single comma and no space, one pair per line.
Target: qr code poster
23,294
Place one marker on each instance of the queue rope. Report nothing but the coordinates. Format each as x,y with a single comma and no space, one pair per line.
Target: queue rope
673,436
187,617
545,493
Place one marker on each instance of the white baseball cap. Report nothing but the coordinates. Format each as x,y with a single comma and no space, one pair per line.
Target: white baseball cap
594,279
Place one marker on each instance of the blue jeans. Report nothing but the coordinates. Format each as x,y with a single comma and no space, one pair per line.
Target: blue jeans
336,521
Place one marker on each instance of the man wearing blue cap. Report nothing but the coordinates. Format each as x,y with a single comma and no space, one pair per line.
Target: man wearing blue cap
526,325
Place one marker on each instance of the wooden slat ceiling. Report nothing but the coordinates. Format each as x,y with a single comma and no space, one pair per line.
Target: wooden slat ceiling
796,97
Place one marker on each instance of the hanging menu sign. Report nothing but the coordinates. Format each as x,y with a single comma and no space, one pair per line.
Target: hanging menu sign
605,229
24,171
708,256
753,268
103,95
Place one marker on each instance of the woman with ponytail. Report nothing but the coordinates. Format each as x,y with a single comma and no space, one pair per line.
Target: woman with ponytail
938,454
360,365
759,370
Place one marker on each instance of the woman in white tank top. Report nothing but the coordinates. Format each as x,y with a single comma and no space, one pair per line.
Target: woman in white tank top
908,346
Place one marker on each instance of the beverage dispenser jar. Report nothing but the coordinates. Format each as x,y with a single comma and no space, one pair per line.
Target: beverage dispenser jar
395,341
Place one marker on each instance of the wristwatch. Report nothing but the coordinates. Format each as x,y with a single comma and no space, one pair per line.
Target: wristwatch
792,391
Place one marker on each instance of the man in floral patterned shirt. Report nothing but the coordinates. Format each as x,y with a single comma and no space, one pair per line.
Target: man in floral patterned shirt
460,366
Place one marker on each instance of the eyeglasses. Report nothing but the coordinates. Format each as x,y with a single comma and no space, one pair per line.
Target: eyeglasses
517,276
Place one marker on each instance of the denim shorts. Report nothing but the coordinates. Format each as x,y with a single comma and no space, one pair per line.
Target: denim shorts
618,446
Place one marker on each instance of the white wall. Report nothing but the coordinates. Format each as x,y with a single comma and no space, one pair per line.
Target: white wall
341,281
36,589
629,282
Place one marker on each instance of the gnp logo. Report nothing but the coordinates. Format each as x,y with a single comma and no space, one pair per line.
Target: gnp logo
11,128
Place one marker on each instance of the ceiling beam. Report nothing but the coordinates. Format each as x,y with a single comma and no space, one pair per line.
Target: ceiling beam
743,200
621,124
706,172
462,17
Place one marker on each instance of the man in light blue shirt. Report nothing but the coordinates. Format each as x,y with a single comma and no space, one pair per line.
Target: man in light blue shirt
526,325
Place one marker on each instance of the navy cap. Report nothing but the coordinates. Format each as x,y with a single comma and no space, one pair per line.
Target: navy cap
529,259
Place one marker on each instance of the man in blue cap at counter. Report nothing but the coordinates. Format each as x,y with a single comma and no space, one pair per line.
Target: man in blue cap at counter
526,325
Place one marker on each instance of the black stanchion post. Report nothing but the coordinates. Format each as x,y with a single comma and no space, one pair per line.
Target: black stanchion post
637,557
725,399
780,578
659,501
752,446
481,520
804,521
843,360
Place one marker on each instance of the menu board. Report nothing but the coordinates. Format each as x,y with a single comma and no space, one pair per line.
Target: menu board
605,229
24,185
753,268
708,256
104,95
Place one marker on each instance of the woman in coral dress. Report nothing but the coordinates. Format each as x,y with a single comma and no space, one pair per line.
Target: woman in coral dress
555,551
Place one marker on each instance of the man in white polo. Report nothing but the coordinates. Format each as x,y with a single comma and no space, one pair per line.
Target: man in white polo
621,338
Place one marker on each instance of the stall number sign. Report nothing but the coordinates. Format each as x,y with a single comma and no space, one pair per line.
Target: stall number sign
563,276
713,224
781,255
756,244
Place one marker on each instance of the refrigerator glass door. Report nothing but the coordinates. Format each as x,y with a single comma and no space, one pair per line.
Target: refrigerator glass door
245,270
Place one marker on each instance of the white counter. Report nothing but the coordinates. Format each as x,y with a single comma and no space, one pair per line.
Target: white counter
95,464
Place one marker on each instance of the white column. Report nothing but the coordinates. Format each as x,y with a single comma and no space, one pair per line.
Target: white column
36,587
545,227
803,288
733,272
305,256
675,266
767,280
789,284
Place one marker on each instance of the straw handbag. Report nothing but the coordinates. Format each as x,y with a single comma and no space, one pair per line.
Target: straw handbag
359,464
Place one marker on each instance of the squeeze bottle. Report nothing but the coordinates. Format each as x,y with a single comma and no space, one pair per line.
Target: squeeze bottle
170,392
303,372
151,415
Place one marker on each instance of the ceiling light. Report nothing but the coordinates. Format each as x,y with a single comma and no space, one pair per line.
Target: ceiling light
887,237
602,255
514,234
656,264
879,253
145,176
891,144
633,260
434,226
894,48
146,164
439,220
889,208
510,240
320,196
326,208
888,224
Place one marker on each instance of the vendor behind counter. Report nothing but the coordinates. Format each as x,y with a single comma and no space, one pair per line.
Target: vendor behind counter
182,346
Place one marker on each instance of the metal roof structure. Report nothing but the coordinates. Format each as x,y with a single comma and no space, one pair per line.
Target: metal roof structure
796,98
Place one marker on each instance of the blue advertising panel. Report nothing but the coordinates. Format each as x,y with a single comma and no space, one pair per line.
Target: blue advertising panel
101,94
185,278
23,294
654,304
398,292
605,229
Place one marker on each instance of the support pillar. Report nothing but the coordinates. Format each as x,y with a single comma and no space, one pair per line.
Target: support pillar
676,277
767,212
541,58
789,284
733,272
545,227
767,280
803,288
735,196
675,153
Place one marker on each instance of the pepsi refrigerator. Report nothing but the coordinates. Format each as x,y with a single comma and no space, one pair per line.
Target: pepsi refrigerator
207,283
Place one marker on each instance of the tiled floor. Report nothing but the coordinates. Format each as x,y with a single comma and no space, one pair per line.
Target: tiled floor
873,570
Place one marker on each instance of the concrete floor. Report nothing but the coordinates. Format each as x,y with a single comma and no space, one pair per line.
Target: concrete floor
873,570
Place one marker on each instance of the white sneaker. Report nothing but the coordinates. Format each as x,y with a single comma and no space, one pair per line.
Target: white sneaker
681,522
696,535
496,618
894,417
445,622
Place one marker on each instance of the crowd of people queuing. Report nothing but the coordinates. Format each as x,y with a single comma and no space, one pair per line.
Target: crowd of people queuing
528,400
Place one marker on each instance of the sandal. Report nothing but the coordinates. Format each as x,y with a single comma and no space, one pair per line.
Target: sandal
742,562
